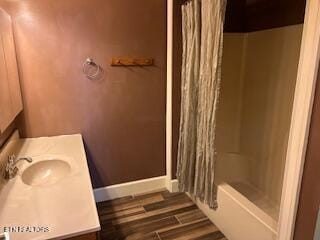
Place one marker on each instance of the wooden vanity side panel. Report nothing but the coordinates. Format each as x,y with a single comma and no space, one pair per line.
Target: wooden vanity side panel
5,100
12,69
10,92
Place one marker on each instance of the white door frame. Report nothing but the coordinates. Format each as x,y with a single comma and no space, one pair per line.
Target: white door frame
300,123
169,94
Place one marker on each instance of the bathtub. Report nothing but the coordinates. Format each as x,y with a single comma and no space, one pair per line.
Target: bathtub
238,217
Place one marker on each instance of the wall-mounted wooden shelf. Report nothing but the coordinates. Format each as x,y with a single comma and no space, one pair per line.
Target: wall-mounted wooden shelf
131,62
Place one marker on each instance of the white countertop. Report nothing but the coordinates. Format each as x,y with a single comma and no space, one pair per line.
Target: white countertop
64,209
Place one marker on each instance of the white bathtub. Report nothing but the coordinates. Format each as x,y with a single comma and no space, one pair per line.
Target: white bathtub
237,216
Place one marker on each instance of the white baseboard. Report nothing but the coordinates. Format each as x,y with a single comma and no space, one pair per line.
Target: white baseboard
129,188
172,185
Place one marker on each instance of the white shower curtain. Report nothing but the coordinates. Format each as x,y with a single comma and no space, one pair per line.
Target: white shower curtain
202,30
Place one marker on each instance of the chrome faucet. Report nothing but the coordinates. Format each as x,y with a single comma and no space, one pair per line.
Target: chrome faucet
11,169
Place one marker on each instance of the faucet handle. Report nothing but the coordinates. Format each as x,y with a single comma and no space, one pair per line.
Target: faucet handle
11,169
11,159
10,172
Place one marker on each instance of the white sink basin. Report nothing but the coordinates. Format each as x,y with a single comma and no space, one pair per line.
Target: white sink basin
46,172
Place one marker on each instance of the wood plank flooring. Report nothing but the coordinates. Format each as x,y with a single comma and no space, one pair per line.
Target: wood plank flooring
155,216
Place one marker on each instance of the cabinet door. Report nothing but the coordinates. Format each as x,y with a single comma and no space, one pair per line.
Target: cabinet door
10,95
5,99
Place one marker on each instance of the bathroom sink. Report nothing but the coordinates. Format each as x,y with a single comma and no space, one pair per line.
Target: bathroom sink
46,172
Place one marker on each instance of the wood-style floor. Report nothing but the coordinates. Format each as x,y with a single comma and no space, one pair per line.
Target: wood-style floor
155,216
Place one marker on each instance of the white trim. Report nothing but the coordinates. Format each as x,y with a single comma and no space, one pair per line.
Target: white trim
302,108
169,93
129,188
172,186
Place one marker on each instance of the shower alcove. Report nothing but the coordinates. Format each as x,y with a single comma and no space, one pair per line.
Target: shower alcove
259,74
261,53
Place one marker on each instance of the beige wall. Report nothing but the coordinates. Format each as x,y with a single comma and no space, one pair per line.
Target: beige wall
122,115
258,82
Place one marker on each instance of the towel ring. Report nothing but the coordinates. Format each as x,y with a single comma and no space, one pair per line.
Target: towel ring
91,74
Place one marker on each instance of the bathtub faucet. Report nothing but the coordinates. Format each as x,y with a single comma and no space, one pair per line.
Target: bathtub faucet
11,169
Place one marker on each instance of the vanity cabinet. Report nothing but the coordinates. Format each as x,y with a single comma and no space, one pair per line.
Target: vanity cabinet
10,93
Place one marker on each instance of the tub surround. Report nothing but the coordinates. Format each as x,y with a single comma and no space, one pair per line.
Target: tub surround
55,204
254,224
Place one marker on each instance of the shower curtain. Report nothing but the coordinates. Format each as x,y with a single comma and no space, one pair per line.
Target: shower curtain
202,33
